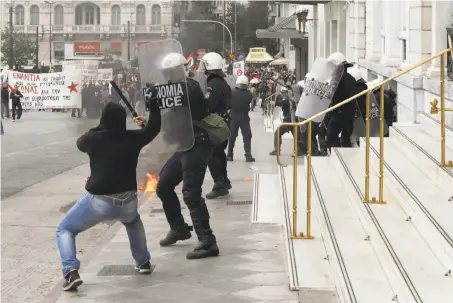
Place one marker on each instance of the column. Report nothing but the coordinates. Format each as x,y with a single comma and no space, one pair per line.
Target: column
314,31
419,32
374,8
359,26
341,22
441,18
392,56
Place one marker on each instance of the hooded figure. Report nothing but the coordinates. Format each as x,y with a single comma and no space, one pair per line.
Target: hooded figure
111,188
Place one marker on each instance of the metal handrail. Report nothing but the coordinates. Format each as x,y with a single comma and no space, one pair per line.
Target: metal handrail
368,93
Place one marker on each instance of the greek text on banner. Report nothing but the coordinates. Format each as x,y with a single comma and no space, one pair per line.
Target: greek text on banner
54,90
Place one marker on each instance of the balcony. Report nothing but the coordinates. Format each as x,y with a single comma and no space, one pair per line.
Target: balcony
90,29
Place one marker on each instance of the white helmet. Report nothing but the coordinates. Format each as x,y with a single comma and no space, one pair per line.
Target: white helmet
172,60
301,83
242,80
337,57
283,89
309,76
212,61
355,72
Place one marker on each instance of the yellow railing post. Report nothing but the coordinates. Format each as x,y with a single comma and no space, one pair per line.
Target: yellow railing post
443,162
309,144
381,147
295,149
367,148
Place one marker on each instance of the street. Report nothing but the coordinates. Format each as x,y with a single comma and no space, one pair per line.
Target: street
38,147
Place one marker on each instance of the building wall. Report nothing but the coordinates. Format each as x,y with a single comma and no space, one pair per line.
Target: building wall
384,37
108,35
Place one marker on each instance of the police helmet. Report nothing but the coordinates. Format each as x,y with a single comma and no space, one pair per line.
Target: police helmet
212,61
172,60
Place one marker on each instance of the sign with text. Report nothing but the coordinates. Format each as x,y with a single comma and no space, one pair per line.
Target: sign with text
172,95
87,47
54,90
105,74
238,68
88,68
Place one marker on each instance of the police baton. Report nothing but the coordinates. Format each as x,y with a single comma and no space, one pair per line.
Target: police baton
126,102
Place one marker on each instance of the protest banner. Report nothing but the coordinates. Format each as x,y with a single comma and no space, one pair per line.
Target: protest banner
88,68
105,74
48,91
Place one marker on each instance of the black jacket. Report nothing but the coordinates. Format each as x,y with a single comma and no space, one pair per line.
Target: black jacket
284,104
15,97
114,151
5,95
218,94
345,89
240,102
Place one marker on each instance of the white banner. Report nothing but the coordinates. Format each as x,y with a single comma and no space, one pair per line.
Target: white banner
238,68
55,90
105,74
88,68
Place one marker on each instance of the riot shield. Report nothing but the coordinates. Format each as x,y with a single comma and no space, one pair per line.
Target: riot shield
320,88
375,124
167,77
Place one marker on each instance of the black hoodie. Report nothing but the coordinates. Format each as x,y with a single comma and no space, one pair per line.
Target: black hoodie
114,150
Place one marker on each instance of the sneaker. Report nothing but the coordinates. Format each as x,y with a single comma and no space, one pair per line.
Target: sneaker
145,268
72,281
14,120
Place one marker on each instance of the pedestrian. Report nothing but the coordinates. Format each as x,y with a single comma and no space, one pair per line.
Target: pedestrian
218,96
5,100
190,168
16,106
241,98
111,189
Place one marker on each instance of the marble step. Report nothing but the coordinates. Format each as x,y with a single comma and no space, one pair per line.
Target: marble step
266,199
404,230
351,241
306,259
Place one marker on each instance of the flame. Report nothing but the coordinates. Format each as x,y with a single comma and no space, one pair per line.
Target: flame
248,179
149,185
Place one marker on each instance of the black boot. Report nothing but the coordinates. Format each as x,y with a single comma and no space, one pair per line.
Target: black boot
249,158
179,231
220,189
207,245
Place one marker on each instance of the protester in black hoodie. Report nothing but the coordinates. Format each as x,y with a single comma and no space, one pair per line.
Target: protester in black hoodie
5,100
111,188
15,103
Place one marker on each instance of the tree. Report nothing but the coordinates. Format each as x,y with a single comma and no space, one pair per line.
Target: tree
24,48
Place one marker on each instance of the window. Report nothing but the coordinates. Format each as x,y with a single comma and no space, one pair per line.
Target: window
89,15
141,15
116,15
155,14
58,48
34,15
59,15
403,50
78,15
20,15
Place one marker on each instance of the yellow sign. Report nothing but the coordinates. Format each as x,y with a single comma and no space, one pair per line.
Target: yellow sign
257,50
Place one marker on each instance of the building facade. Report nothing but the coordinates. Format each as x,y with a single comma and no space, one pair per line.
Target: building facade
385,37
90,28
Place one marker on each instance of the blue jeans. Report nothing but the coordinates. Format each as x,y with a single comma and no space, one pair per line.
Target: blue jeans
88,212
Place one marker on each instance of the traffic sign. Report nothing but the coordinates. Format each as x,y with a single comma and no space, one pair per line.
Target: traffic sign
239,72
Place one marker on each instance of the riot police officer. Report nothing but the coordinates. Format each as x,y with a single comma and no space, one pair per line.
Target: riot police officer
218,96
190,168
241,98
341,120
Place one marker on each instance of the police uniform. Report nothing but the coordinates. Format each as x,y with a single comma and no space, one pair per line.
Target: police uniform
190,168
341,120
239,114
218,96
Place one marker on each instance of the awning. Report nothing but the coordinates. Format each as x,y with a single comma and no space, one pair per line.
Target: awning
280,61
284,28
258,58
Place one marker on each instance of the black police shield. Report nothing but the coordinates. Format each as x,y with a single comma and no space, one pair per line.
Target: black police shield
320,87
360,119
158,71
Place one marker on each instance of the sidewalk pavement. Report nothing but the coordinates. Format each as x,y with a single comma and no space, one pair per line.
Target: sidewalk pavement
250,268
